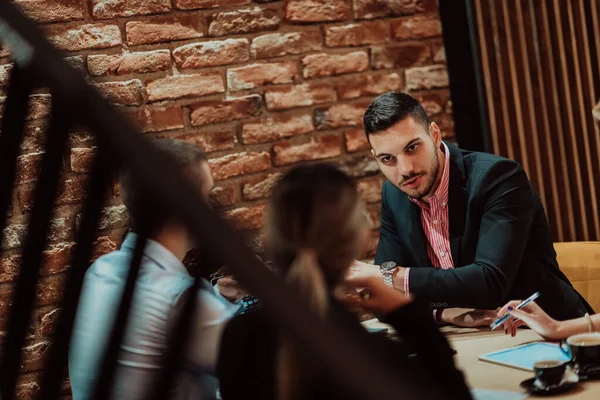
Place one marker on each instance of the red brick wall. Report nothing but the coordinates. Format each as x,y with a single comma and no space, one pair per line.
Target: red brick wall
260,85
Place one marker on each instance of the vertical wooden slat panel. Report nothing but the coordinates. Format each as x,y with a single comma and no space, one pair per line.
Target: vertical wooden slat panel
540,62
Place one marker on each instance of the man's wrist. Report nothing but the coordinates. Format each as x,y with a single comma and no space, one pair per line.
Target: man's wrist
398,278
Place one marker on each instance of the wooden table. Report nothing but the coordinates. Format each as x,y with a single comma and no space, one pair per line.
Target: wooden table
485,375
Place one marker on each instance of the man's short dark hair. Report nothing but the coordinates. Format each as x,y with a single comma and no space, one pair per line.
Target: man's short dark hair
140,206
390,108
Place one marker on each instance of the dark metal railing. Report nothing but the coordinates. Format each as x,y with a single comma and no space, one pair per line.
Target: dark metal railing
75,103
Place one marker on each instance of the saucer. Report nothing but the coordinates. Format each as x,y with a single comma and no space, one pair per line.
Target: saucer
534,387
588,372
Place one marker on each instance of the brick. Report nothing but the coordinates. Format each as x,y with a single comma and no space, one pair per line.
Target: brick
28,167
85,37
210,112
5,71
48,320
157,119
368,85
57,258
165,29
129,63
316,149
76,62
127,93
210,54
356,140
39,106
360,34
374,211
319,65
369,189
112,217
276,128
222,196
254,75
12,237
303,95
71,190
404,55
339,115
27,389
424,78
222,139
102,9
257,242
245,218
33,356
259,188
50,289
416,27
239,164
44,11
9,267
360,166
317,10
103,245
34,136
281,44
439,52
368,9
434,102
177,86
82,158
197,4
244,21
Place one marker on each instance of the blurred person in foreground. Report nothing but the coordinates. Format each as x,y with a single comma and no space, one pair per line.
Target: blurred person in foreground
316,227
161,287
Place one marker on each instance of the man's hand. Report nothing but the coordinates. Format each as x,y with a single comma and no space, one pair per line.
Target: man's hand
375,295
361,270
230,289
468,317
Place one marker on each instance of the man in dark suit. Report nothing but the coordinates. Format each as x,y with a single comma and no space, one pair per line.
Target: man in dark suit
458,228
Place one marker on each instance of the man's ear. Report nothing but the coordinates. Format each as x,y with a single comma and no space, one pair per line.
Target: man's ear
373,152
436,133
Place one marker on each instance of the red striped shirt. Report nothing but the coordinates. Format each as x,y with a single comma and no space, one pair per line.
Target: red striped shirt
435,223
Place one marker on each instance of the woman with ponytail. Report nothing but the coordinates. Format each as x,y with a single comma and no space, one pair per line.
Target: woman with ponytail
316,228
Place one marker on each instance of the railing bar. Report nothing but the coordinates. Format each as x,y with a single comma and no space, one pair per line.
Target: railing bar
96,190
45,192
103,386
13,125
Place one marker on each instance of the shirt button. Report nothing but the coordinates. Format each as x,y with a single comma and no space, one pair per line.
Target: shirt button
443,253
435,221
444,204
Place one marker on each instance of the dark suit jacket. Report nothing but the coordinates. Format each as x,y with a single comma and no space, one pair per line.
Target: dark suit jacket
499,238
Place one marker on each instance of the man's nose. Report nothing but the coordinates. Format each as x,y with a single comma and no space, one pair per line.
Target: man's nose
405,167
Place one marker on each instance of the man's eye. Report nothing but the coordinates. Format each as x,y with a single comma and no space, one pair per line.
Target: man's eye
386,159
412,148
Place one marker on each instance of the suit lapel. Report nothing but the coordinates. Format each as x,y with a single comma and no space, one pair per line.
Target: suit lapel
457,202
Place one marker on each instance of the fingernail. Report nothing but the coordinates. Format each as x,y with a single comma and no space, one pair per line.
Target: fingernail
510,308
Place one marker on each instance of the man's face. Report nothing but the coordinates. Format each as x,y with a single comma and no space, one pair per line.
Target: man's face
407,154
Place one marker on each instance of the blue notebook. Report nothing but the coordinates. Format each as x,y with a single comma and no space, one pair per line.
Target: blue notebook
524,356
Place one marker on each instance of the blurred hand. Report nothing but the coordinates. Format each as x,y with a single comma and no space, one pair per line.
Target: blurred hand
532,316
362,270
375,296
468,317
230,289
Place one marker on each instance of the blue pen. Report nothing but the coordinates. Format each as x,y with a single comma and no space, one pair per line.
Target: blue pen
501,320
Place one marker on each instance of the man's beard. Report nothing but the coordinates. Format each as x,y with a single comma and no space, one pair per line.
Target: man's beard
431,177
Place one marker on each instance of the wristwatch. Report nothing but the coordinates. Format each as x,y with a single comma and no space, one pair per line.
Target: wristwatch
387,272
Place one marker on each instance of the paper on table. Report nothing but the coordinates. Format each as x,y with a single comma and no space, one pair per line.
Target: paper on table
485,394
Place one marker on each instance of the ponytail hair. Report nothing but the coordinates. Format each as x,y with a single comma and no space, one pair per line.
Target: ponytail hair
315,229
306,275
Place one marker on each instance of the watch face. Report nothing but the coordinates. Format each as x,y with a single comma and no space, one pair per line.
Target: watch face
388,265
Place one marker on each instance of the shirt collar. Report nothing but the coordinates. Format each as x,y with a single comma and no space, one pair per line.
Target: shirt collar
157,253
441,193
